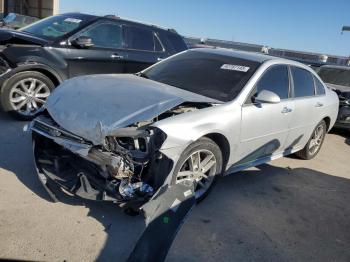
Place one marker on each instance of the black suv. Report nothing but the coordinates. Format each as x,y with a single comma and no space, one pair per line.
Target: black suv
37,58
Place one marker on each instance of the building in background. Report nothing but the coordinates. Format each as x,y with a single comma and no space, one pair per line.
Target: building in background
315,59
34,8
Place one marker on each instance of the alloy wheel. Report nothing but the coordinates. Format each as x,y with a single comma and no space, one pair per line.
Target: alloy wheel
28,96
199,167
316,139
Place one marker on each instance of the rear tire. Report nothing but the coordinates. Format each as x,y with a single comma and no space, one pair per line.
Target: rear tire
315,142
202,154
23,94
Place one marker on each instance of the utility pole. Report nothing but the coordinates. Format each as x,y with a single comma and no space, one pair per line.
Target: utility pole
346,28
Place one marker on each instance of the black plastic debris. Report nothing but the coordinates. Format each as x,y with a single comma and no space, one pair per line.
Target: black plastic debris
164,215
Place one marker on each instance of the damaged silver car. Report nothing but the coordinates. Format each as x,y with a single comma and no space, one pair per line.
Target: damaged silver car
193,116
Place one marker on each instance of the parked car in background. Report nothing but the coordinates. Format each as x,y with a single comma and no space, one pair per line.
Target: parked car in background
338,79
193,116
16,21
37,58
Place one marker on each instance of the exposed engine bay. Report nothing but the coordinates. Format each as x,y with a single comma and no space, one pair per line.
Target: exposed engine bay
127,168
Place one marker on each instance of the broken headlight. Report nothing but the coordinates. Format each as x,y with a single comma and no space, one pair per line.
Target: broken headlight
131,143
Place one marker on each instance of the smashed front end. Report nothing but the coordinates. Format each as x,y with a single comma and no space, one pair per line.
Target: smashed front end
127,168
97,137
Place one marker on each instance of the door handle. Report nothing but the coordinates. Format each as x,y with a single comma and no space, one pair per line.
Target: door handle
116,56
318,104
286,110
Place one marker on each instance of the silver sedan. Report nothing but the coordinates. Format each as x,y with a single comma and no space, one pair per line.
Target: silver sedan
193,116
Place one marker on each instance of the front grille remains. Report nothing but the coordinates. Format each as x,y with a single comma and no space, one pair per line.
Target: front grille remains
47,126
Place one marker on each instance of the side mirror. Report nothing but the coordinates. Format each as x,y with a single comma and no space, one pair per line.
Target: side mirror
82,42
266,96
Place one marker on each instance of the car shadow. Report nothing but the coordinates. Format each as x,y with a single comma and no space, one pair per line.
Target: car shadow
343,133
267,213
16,152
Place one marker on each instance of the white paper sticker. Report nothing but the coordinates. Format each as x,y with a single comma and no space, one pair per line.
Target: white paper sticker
187,193
72,20
235,67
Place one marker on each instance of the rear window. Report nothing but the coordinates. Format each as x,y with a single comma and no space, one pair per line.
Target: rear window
212,75
303,82
142,39
335,76
177,42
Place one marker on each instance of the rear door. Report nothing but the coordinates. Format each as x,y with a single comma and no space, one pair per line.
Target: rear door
106,56
307,104
264,126
144,48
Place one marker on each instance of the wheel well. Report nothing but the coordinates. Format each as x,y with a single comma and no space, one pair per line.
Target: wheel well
328,122
224,145
47,73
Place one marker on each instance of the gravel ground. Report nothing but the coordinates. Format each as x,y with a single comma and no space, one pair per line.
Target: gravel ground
287,210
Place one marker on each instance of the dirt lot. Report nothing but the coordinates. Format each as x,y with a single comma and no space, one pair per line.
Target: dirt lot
288,210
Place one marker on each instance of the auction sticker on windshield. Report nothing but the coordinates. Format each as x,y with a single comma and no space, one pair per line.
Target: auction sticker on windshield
72,20
235,67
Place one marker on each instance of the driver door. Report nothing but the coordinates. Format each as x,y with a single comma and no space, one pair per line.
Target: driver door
107,55
265,126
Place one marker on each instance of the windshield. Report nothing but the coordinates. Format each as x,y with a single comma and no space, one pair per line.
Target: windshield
335,76
19,20
212,75
55,26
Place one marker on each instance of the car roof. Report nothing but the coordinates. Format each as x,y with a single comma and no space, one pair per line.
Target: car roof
252,56
114,18
78,15
336,67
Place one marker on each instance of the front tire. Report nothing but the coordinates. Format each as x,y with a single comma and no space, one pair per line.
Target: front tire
315,142
24,94
200,162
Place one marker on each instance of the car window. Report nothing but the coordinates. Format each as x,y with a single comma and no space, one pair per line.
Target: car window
142,39
106,35
336,76
157,45
176,42
276,80
54,27
319,87
303,82
212,75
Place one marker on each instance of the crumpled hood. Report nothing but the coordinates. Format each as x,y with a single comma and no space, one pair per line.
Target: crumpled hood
95,106
8,36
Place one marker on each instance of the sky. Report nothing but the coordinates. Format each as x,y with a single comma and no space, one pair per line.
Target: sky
305,25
